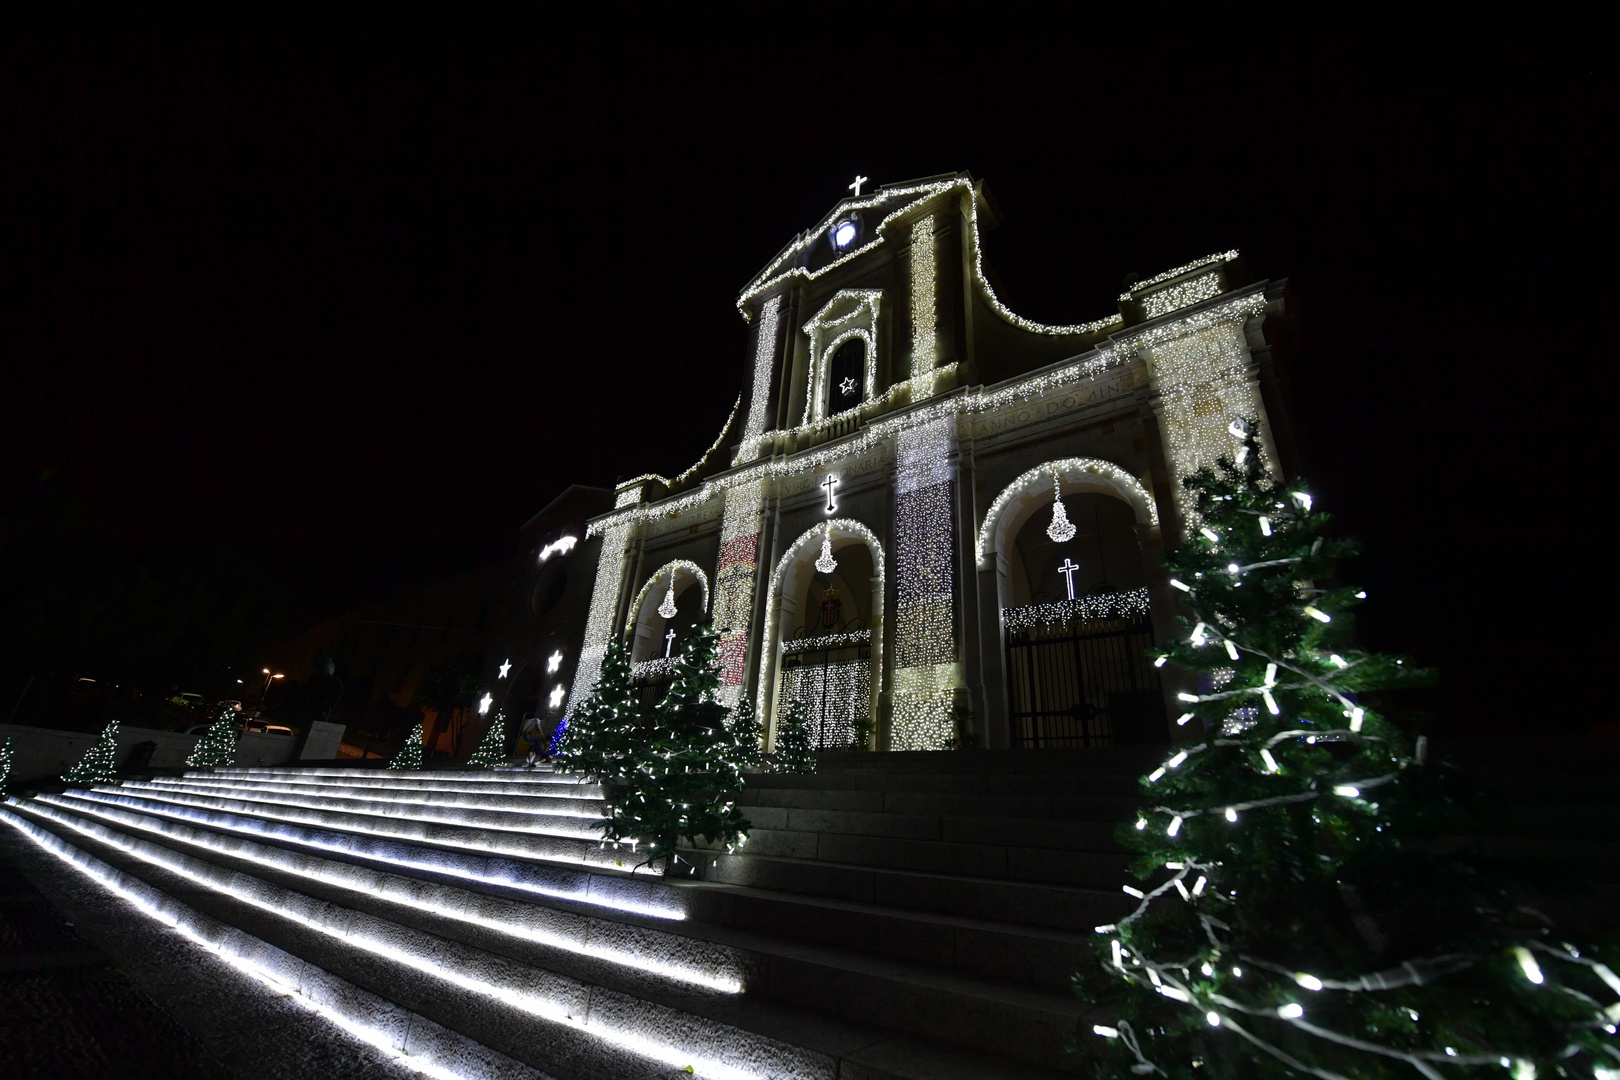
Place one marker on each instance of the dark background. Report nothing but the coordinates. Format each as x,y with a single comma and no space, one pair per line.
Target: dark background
295,319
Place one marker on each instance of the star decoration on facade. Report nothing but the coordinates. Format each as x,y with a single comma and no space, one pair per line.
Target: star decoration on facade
554,661
847,387
557,693
506,665
484,703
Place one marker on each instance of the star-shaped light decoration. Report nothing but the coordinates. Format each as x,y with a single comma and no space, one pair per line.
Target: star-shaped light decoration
553,662
506,665
557,693
484,703
847,387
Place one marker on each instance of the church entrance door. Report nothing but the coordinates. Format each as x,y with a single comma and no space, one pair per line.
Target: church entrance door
1085,682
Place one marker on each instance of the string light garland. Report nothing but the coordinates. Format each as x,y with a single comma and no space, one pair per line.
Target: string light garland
759,393
7,755
1208,260
923,267
1182,294
734,583
925,584
410,755
217,747
910,199
827,641
604,603
1125,604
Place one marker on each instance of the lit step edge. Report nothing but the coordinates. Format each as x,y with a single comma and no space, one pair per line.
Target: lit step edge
712,1048
411,1040
573,825
725,972
459,775
643,893
472,800
574,849
522,790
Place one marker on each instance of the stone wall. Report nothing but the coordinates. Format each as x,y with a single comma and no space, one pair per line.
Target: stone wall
46,753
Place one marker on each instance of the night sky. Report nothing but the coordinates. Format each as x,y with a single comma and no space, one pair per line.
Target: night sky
365,302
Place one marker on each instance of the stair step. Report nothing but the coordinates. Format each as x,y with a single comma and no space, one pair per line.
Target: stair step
534,801
547,784
1046,865
1028,832
1037,957
576,816
1056,906
412,965
641,893
576,849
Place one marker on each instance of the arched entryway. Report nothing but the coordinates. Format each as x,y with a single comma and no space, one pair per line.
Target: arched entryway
824,632
1066,542
666,609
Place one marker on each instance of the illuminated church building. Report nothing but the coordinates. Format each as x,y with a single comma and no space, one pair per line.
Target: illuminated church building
931,520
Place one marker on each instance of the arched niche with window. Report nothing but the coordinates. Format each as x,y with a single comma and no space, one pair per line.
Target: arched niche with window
680,583
842,338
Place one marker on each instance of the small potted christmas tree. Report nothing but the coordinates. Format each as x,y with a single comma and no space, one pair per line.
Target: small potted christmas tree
492,748
99,763
410,755
795,753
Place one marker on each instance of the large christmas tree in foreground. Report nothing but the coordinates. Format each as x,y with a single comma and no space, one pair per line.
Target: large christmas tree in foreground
1294,919
681,776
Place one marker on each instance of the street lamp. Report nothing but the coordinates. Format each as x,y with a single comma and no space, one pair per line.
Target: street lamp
267,678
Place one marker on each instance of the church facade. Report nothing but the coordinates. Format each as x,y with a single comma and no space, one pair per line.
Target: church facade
930,521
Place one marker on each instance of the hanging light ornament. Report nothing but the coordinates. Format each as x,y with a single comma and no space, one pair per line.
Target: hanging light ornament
825,562
667,608
1061,529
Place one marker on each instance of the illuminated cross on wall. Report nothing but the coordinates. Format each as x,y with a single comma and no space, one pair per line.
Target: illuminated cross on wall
856,186
1067,570
828,484
669,642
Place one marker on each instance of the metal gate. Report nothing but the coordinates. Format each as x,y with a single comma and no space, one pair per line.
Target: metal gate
1084,682
832,676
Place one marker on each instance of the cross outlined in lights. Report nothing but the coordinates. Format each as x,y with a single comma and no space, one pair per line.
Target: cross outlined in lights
856,186
553,662
506,665
832,478
669,642
1067,570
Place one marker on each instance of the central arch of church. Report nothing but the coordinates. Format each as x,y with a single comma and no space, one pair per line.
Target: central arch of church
824,639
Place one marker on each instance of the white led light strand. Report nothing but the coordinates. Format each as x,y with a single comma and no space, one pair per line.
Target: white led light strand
734,584
671,571
759,393
1125,604
604,604
923,270
925,586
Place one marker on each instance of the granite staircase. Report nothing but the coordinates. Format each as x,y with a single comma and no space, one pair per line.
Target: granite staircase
894,917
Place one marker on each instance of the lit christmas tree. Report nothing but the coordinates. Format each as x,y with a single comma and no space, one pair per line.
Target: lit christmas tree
794,751
680,778
748,737
99,764
492,749
1292,921
410,755
600,735
5,764
217,747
